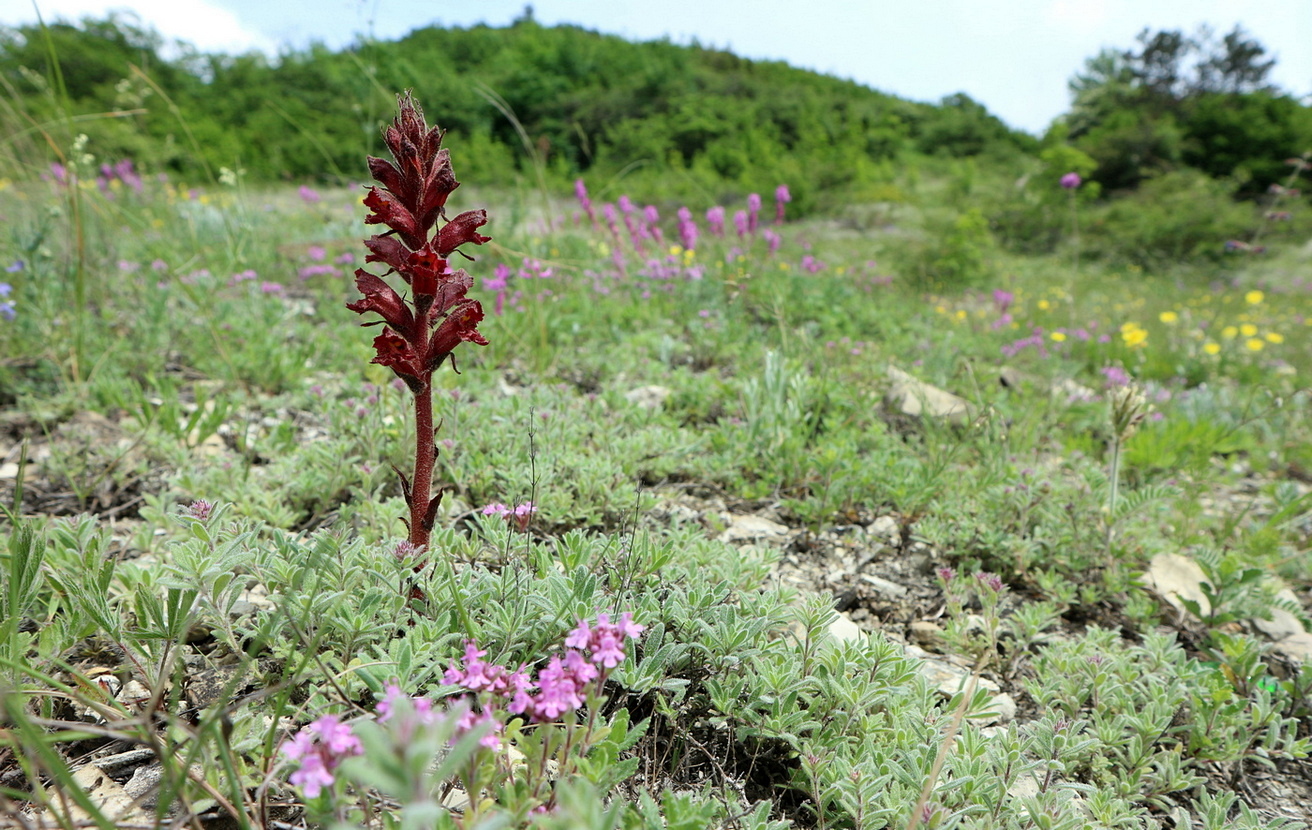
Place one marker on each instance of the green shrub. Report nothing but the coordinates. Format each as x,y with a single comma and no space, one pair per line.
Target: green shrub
1179,216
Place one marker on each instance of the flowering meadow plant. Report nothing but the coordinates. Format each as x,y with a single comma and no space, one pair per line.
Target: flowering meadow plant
473,728
421,331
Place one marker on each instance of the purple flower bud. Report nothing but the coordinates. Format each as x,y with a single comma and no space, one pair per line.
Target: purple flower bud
1070,181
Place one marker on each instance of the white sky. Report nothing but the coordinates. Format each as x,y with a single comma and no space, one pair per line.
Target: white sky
1014,56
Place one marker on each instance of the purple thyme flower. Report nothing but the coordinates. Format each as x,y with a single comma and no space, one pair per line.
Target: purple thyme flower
781,197
687,229
715,220
319,748
740,222
1115,377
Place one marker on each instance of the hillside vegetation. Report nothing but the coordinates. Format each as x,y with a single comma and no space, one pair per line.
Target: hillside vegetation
780,454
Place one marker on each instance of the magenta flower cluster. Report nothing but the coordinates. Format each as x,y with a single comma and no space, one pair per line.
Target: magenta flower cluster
495,694
591,652
121,171
517,517
642,226
318,749
500,283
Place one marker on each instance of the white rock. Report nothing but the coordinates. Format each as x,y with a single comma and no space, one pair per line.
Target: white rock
886,529
9,470
648,397
1297,646
742,528
1172,576
1068,391
883,586
844,630
1282,623
105,793
914,397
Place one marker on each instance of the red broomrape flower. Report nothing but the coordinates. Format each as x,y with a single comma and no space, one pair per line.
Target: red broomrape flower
422,330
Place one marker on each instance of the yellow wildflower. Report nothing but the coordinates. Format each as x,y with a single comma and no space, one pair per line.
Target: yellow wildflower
1274,337
1058,336
1168,317
1211,348
1133,335
1254,297
1248,330
1229,332
1255,345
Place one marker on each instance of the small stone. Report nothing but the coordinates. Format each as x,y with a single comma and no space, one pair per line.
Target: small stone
648,397
1172,577
926,635
883,586
742,528
144,785
1003,707
886,529
1068,391
9,470
1009,377
844,630
1282,623
1297,646
911,396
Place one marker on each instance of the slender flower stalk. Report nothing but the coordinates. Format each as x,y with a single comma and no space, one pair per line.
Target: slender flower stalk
1071,183
420,332
781,197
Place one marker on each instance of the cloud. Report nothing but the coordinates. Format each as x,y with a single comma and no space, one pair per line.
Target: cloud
206,25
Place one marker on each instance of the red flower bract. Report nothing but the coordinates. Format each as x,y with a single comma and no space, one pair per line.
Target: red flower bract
410,201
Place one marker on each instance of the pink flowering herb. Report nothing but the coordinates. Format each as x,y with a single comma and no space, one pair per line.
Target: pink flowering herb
741,222
715,220
1070,181
581,193
518,517
753,211
318,749
781,197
